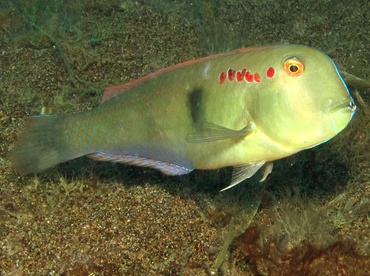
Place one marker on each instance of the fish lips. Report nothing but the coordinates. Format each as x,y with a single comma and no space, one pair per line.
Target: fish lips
340,112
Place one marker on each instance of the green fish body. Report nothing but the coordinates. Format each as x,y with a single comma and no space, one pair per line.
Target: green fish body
243,109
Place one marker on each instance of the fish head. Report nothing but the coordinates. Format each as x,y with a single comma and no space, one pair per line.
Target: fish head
307,102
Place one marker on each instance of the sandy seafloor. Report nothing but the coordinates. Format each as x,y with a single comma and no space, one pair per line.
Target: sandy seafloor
310,217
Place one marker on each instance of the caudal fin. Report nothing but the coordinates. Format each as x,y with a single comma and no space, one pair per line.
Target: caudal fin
41,145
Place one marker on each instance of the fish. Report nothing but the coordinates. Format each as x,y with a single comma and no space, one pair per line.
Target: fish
242,109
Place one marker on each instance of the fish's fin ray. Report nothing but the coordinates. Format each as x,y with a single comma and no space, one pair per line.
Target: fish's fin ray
242,172
268,169
164,167
41,145
111,91
209,132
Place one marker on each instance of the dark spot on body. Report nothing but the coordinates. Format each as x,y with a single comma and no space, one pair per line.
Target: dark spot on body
194,102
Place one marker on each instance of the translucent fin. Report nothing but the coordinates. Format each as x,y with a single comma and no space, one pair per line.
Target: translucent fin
40,145
164,167
243,172
268,169
209,132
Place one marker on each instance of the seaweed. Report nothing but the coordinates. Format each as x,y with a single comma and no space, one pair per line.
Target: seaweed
296,231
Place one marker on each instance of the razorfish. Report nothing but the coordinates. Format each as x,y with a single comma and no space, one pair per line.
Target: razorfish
243,109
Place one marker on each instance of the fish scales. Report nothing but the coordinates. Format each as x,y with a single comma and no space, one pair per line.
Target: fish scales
243,108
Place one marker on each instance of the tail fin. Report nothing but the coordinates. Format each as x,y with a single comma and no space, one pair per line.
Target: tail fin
41,145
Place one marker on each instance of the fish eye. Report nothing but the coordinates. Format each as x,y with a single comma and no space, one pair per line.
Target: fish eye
293,67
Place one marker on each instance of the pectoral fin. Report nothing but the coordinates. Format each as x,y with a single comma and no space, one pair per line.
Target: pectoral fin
209,132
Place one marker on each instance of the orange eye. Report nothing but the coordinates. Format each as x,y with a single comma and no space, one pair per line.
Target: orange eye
293,67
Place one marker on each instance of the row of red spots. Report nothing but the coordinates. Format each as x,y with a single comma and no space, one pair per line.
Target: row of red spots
239,76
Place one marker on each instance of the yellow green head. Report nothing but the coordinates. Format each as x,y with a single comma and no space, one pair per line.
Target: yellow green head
306,102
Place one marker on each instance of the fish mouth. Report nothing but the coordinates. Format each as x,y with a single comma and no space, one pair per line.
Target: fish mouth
334,107
340,113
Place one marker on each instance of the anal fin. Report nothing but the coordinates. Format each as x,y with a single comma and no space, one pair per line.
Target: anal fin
164,167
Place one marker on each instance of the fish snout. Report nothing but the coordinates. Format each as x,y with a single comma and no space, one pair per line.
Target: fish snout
346,106
340,113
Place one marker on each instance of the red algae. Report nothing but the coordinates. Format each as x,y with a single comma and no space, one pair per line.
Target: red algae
339,258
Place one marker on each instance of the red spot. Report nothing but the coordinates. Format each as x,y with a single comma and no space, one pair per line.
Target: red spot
270,72
230,74
222,77
239,76
257,77
248,76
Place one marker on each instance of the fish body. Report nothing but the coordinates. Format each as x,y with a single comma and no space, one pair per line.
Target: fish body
242,109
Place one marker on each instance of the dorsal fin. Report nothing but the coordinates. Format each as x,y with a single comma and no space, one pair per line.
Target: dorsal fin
112,91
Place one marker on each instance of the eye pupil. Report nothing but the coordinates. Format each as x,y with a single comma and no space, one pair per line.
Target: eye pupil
293,68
